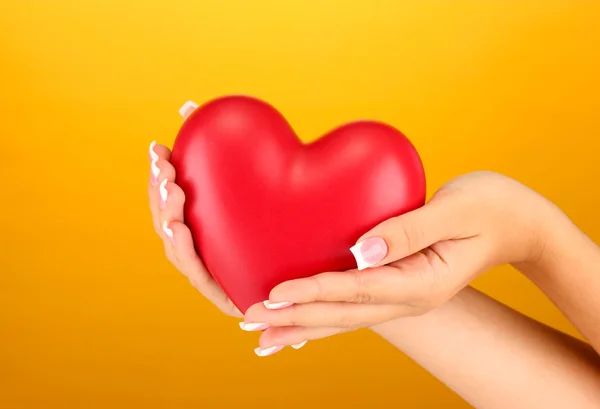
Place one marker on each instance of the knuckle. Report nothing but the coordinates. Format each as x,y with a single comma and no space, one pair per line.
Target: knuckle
198,281
156,227
193,282
363,298
290,320
407,239
171,257
417,237
295,316
175,261
433,273
430,290
318,290
361,295
409,234
345,321
228,309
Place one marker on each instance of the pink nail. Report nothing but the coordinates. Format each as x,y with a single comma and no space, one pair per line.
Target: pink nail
253,326
151,154
276,305
300,345
154,171
369,252
162,189
187,109
268,351
168,231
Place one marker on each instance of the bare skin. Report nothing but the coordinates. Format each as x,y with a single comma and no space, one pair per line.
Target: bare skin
417,295
496,358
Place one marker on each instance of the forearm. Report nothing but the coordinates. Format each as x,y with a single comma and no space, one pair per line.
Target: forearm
495,357
568,272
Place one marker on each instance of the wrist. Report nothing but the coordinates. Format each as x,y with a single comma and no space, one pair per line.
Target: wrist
567,271
557,239
548,225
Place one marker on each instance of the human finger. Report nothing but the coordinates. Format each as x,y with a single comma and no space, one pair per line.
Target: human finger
401,236
325,314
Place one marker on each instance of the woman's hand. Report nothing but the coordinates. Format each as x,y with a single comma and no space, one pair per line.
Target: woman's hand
409,265
166,205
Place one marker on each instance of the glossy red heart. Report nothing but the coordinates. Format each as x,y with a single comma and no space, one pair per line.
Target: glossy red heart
264,208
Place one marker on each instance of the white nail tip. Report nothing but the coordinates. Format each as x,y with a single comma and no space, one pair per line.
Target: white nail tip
187,108
166,229
153,154
300,345
267,351
276,305
163,190
155,169
252,326
361,263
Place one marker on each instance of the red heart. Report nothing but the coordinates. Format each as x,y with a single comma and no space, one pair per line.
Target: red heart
264,208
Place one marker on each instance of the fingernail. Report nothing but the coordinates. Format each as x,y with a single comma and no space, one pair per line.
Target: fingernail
167,231
276,305
187,109
298,346
253,326
153,155
369,252
163,193
268,351
155,171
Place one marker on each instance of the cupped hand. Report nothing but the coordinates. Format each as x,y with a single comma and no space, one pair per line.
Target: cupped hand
410,264
166,205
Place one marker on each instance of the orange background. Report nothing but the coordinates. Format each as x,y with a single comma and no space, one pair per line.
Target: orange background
91,313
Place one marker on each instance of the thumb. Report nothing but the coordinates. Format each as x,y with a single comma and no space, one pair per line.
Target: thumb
401,236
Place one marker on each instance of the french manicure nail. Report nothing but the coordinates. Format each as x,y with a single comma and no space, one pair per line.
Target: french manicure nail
187,109
300,345
155,171
268,351
253,326
163,193
276,305
153,155
369,252
167,230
